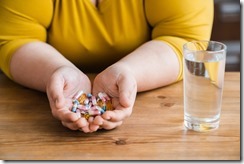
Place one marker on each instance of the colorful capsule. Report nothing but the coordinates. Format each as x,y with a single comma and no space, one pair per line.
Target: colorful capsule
77,95
100,109
94,112
106,96
87,105
101,103
86,101
109,105
76,102
82,98
74,107
86,116
101,96
89,95
78,112
94,101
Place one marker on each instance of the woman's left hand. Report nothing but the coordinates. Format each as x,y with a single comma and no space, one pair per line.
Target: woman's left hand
118,82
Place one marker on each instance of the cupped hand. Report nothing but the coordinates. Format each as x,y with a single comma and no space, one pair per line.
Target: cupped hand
64,83
119,83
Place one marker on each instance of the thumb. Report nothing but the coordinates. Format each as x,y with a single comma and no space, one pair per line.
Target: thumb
55,91
127,91
59,101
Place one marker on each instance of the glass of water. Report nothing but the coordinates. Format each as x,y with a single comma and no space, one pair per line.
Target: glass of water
204,68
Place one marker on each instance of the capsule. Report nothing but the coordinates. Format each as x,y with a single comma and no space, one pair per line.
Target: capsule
101,96
94,101
86,116
100,109
77,95
76,102
87,105
94,112
89,95
78,112
74,108
101,103
106,96
82,98
86,101
109,105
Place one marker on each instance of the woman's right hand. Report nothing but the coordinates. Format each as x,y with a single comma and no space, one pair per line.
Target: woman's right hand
63,84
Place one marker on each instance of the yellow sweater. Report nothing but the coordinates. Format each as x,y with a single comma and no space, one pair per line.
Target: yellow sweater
93,38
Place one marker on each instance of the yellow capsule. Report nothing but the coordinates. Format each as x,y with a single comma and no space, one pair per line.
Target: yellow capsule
82,98
86,116
109,105
101,103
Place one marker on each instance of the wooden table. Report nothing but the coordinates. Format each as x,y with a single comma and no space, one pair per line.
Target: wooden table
155,130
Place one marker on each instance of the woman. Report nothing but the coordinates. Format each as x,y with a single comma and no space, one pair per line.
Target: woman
49,45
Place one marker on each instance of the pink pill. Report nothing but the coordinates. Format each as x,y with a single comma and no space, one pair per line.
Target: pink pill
94,101
82,107
101,96
94,112
86,101
77,95
106,96
78,112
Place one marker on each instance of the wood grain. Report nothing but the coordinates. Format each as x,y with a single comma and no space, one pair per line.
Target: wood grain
154,131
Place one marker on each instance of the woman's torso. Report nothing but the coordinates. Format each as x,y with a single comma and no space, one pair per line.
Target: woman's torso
93,36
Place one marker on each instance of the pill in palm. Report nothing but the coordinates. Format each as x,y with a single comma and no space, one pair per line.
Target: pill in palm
87,105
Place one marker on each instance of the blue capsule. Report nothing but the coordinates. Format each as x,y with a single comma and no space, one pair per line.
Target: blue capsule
89,95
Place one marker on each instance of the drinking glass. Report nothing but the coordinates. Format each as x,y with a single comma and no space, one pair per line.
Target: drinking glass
204,68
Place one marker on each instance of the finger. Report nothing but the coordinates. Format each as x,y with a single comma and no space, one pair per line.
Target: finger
85,129
127,91
98,120
117,114
65,115
96,123
83,125
90,119
80,124
110,125
72,126
93,127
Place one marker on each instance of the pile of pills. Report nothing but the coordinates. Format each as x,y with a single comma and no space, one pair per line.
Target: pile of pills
87,105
